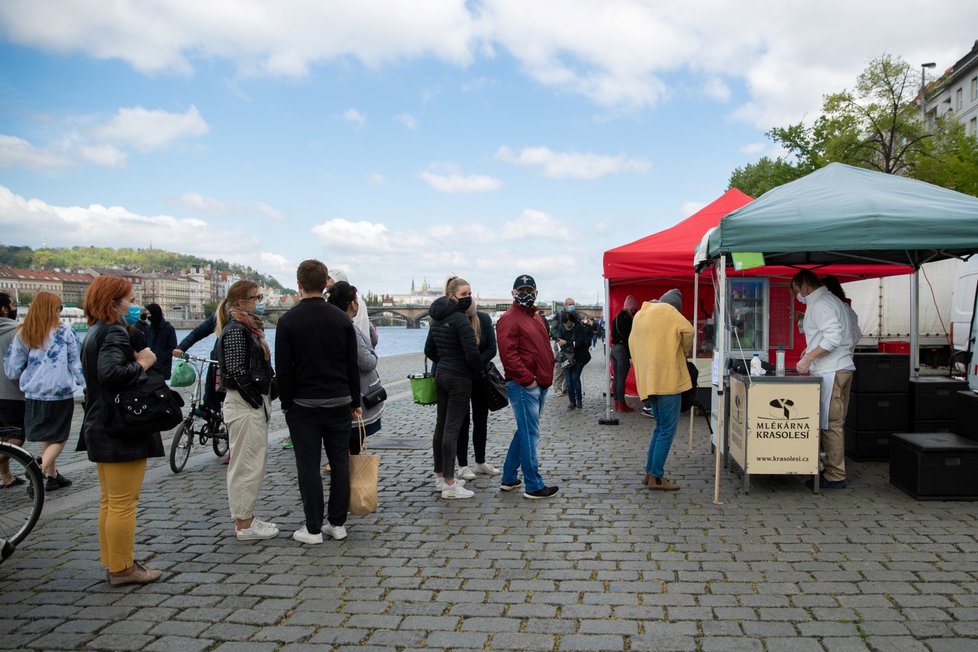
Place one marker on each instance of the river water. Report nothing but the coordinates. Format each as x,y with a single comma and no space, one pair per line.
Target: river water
393,340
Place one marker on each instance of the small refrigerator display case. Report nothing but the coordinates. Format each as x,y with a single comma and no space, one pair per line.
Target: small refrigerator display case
748,317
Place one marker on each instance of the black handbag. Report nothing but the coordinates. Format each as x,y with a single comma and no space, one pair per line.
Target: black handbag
145,407
374,396
496,395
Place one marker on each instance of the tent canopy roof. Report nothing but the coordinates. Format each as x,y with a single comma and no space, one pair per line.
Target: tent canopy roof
843,213
669,253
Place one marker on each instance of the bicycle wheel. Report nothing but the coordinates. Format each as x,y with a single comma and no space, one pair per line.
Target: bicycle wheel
183,441
219,439
21,504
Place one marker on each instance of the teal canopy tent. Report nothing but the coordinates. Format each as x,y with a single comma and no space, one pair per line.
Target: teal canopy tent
844,214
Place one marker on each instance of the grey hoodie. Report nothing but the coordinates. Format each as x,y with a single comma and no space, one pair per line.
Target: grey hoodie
9,389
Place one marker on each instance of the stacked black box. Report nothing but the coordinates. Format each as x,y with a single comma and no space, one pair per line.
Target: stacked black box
966,414
934,466
877,404
932,401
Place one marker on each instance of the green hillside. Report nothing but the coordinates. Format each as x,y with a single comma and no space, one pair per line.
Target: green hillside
139,260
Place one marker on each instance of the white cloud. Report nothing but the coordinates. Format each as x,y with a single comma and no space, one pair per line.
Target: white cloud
276,263
105,155
354,116
103,144
618,53
488,255
376,179
561,165
753,148
690,207
717,90
204,204
33,221
408,120
453,180
149,130
17,152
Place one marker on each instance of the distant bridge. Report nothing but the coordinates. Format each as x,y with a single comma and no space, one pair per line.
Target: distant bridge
414,314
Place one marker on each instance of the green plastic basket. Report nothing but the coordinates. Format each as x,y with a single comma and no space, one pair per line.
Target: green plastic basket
423,389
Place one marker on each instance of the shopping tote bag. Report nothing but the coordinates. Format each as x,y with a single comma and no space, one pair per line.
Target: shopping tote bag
363,477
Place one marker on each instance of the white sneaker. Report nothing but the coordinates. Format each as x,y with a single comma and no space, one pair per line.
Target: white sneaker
258,530
466,473
303,536
487,469
454,491
336,531
440,483
264,523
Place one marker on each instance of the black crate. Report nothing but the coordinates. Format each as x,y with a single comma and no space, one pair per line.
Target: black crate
881,372
867,445
933,397
880,412
934,425
966,414
934,466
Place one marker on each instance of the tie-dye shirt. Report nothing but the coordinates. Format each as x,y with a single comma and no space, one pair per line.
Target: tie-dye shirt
48,374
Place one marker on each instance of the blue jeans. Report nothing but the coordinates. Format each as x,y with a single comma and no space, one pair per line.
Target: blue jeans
572,382
527,405
665,409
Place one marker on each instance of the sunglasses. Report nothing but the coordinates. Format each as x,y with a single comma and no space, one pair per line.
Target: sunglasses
257,297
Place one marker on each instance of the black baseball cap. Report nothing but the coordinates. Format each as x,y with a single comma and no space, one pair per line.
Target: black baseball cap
524,281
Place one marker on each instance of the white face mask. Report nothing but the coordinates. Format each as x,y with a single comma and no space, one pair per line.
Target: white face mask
801,298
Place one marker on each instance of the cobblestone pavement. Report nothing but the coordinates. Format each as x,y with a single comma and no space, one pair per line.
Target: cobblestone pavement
606,564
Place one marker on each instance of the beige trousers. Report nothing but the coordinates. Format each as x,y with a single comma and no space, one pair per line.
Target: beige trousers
833,437
248,435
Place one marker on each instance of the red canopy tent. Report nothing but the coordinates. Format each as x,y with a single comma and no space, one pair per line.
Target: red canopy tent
649,266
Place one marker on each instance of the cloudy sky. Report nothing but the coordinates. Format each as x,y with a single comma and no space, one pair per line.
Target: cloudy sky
412,140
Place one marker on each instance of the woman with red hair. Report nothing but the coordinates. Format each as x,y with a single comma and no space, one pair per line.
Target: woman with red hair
110,364
44,357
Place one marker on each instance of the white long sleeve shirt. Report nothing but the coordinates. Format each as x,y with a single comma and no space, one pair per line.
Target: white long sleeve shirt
827,326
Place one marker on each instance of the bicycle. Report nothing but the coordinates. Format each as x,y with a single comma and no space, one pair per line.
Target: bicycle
19,509
201,423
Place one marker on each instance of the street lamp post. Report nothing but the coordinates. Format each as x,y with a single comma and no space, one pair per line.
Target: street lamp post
923,86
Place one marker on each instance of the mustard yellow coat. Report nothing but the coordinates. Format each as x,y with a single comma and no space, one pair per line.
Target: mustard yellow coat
660,341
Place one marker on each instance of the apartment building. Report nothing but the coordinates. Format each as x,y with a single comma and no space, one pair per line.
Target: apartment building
23,284
955,94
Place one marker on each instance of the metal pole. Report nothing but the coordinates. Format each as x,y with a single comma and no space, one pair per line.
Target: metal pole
720,328
915,322
696,307
608,420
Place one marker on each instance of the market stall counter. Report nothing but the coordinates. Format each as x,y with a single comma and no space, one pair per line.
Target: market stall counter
773,425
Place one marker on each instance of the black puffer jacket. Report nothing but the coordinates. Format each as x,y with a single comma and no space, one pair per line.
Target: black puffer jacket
451,340
109,365
243,364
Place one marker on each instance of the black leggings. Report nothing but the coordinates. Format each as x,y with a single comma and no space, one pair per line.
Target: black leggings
480,427
453,407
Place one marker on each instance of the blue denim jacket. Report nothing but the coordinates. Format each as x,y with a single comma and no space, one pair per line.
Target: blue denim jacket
48,374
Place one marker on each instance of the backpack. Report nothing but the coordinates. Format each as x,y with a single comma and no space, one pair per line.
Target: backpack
688,397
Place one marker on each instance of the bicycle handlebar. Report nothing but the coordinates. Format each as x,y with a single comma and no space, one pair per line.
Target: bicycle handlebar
194,358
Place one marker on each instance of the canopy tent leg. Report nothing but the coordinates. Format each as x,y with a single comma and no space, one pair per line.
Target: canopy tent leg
720,326
608,419
696,307
915,322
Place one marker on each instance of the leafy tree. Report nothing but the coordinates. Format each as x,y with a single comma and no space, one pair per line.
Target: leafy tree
876,125
950,159
209,308
755,179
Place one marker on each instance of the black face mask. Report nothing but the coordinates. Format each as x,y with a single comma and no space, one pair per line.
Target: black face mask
465,303
12,314
526,299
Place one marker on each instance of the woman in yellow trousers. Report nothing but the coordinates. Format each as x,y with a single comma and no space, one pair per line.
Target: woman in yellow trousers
109,364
